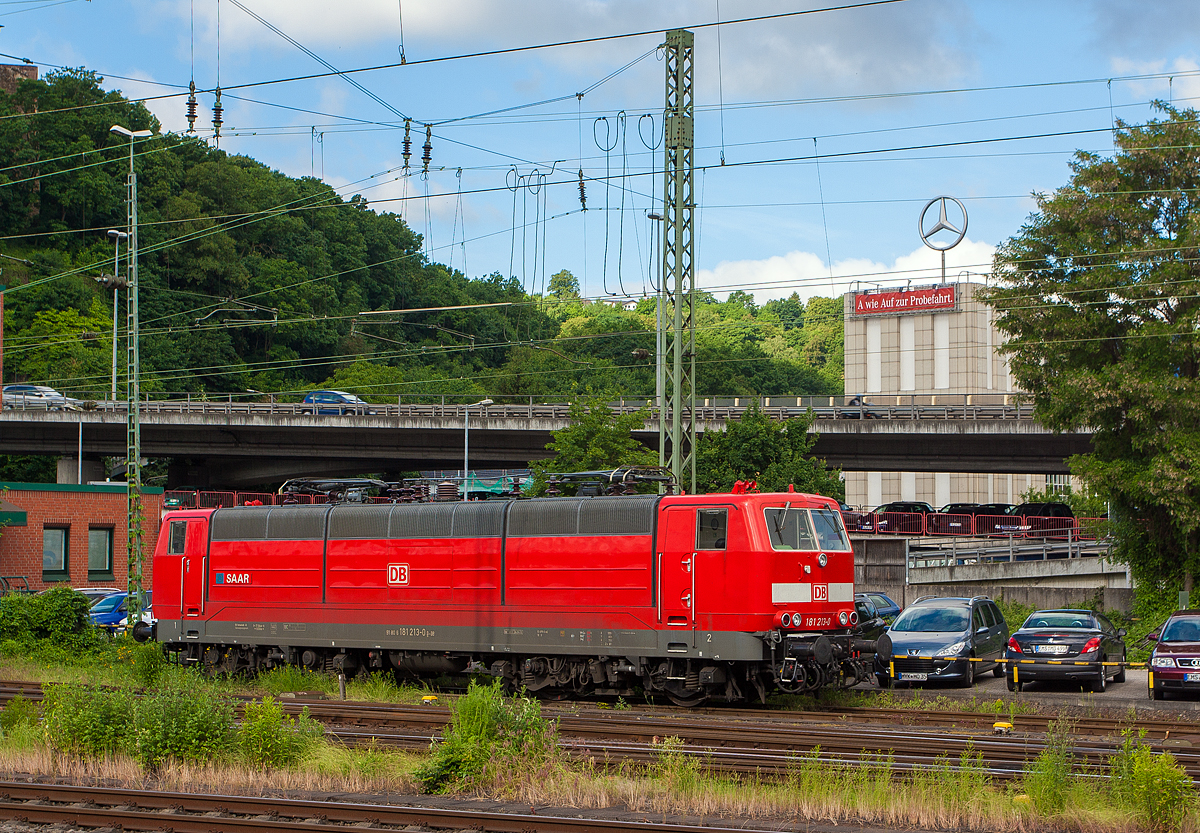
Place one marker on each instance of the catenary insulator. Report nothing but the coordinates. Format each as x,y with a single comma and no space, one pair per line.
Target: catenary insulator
191,107
427,150
217,111
407,142
582,192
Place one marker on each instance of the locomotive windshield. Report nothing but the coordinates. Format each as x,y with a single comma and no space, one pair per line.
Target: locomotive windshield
804,529
790,529
830,533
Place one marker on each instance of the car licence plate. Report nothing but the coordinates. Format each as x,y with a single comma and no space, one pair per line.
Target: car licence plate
918,676
1192,677
1050,649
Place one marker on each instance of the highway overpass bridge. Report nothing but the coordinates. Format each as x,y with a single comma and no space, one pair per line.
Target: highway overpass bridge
235,445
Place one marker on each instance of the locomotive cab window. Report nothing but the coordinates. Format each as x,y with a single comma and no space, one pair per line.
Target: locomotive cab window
712,527
830,533
177,539
790,529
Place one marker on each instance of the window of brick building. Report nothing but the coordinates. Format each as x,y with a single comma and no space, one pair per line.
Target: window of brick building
54,554
100,554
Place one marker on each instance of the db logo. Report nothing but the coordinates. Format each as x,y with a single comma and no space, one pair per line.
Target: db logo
398,575
820,592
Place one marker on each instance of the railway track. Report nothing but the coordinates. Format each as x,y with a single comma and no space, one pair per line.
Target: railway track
192,813
758,741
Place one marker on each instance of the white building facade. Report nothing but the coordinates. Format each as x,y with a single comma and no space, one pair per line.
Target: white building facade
934,344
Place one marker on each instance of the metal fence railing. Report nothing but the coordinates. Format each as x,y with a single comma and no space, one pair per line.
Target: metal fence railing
977,526
946,406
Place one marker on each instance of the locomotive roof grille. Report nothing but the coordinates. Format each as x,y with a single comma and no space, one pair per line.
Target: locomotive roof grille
542,517
422,520
269,523
632,515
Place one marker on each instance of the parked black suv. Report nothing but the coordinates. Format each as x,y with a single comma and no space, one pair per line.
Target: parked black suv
902,516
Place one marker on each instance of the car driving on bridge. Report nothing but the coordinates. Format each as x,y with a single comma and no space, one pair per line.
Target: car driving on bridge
38,398
334,402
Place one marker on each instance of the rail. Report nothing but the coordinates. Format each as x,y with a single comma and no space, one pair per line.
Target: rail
948,406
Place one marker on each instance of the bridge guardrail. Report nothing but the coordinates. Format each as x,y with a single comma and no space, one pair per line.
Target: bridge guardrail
908,407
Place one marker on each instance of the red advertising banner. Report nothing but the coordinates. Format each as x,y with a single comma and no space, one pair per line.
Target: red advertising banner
908,300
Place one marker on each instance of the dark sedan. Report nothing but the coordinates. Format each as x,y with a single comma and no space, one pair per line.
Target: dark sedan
1066,645
884,605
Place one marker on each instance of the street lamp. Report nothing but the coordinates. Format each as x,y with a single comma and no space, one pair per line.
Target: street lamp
482,403
133,428
117,237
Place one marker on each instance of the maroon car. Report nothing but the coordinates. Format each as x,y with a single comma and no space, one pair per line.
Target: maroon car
1175,661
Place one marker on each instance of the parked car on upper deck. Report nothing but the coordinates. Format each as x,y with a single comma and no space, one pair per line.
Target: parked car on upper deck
1073,637
38,398
334,402
1045,520
903,516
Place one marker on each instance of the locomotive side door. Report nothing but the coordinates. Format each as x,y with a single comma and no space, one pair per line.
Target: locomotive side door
676,568
689,535
189,539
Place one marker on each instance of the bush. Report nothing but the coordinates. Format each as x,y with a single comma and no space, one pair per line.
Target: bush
1150,784
86,720
181,724
18,712
487,727
52,626
146,660
268,737
55,615
1049,776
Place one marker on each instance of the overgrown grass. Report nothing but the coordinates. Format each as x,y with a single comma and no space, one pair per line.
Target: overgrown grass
490,736
501,747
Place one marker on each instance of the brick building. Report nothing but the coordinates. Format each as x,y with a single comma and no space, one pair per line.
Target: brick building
54,532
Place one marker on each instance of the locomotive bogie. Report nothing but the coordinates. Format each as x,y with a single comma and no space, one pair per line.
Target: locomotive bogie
717,597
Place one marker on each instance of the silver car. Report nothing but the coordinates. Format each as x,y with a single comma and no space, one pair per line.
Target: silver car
37,398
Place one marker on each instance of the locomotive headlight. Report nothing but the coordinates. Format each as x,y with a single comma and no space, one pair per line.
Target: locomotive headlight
822,559
843,618
786,619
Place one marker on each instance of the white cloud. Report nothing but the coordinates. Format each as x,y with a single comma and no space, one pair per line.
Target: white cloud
1186,86
878,49
807,274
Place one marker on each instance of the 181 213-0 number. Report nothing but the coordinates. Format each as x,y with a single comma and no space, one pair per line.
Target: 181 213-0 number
818,621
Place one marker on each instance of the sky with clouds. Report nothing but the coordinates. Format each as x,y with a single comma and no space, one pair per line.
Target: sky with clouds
820,137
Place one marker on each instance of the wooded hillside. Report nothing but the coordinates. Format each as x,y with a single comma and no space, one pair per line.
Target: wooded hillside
254,281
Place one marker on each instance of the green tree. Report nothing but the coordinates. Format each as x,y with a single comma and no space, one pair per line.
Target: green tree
564,285
772,452
596,440
1099,294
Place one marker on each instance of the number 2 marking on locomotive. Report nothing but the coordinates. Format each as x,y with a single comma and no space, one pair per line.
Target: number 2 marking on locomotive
820,592
709,638
397,575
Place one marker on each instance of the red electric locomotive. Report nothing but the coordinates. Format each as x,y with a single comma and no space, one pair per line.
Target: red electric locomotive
724,596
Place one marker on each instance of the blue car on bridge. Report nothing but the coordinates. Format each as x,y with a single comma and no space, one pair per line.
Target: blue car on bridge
334,402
